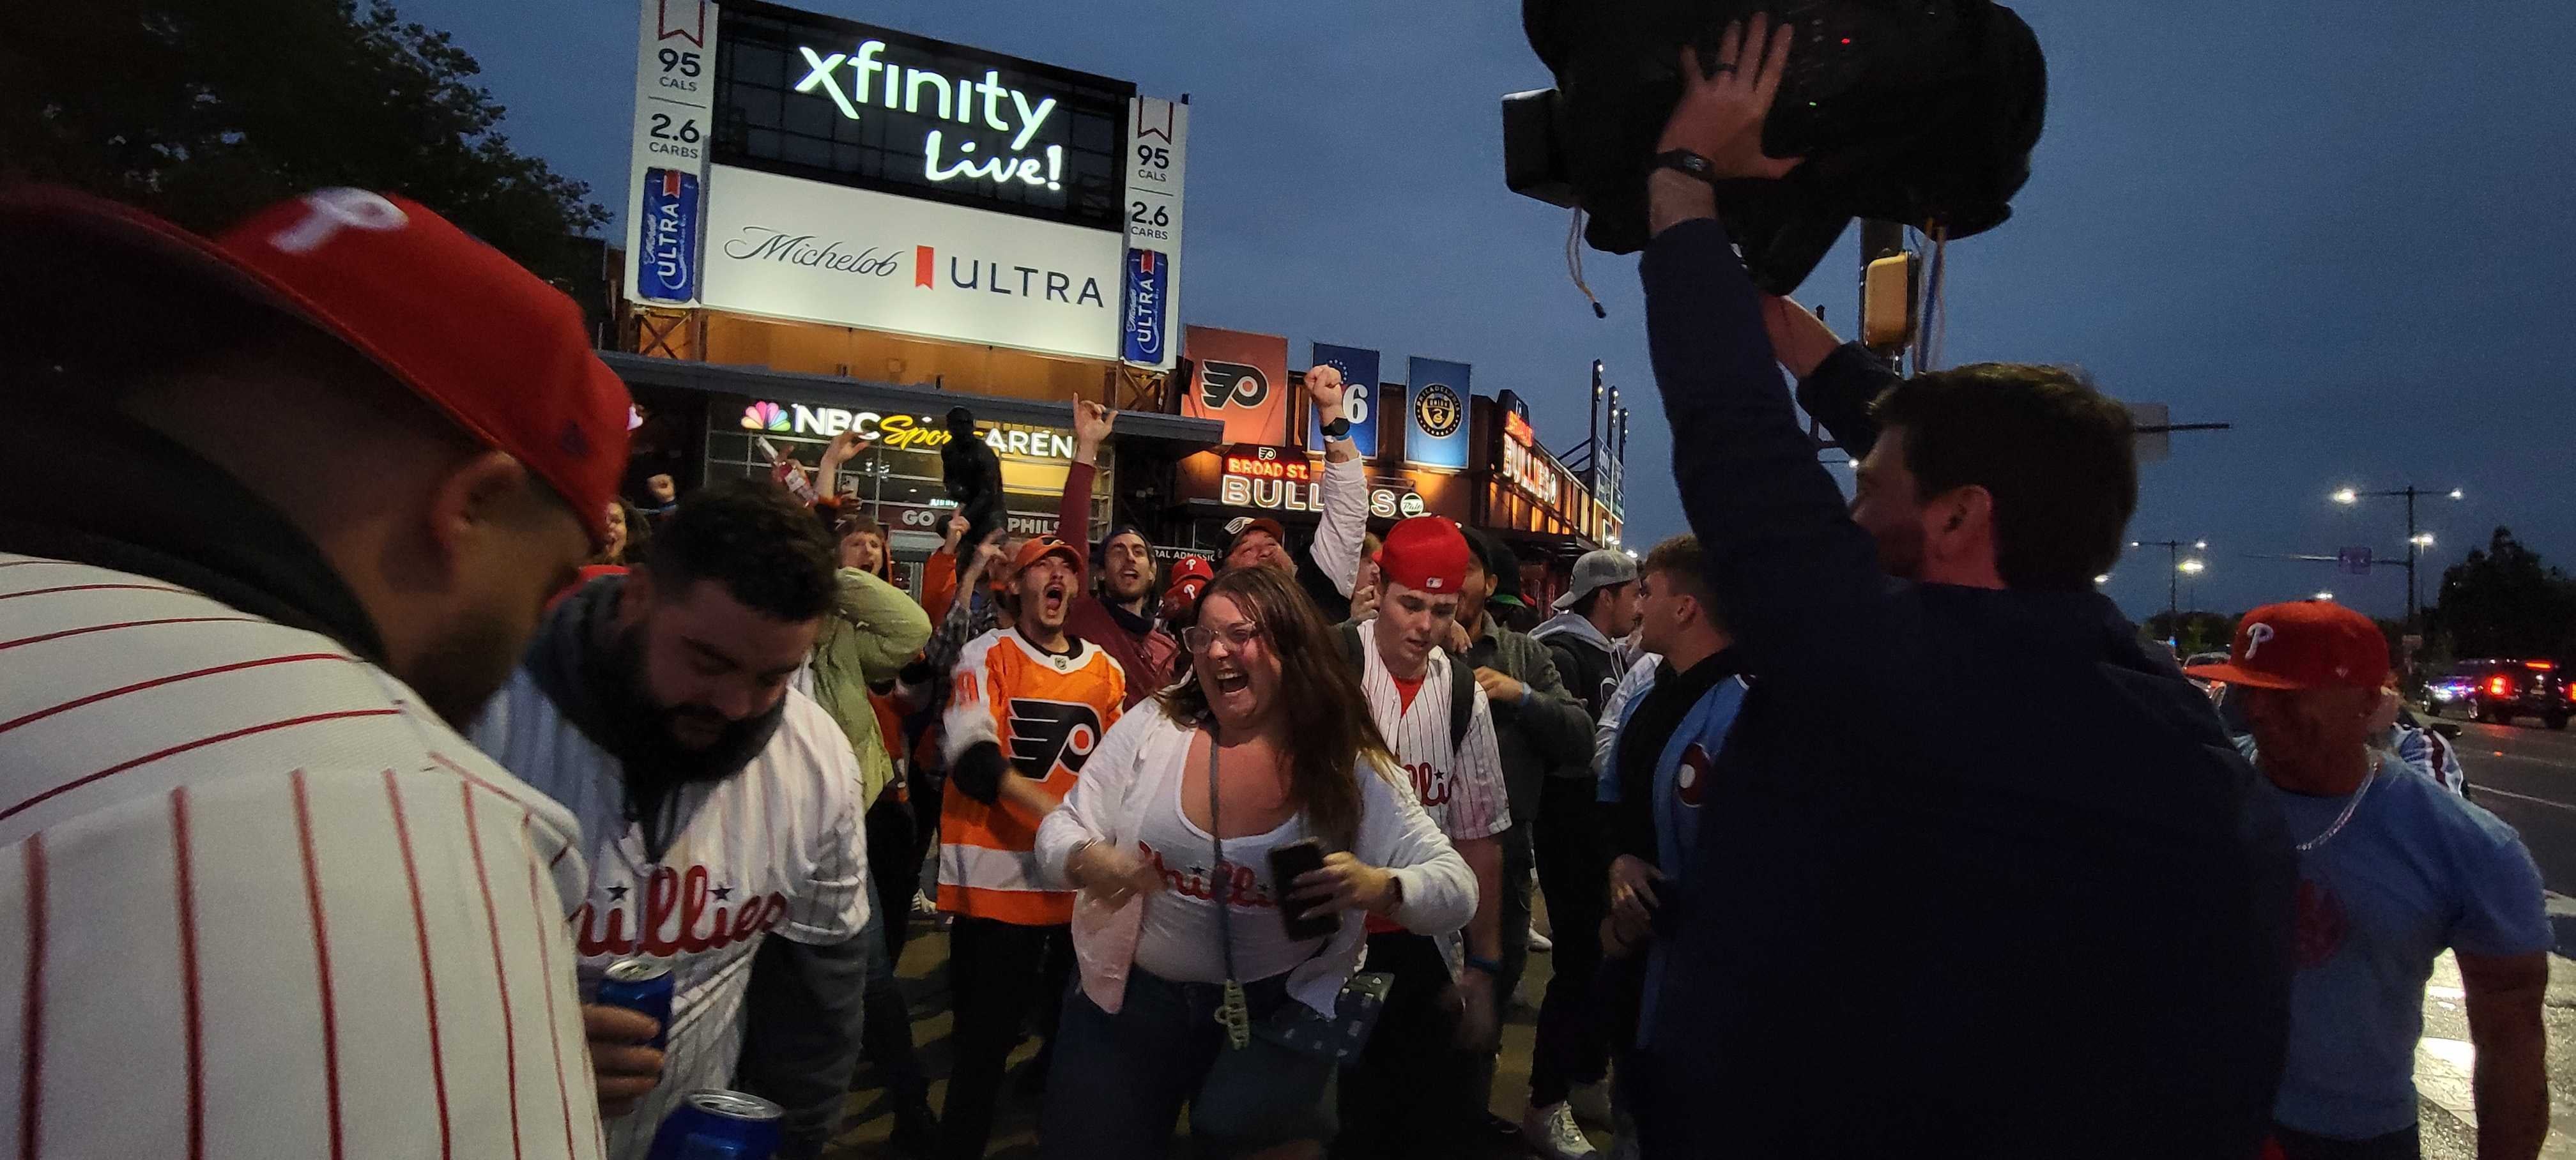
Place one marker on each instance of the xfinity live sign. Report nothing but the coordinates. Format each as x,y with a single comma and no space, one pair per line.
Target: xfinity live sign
817,97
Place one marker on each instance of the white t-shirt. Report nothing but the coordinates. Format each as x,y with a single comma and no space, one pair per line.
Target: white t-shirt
1179,939
775,847
1461,786
260,901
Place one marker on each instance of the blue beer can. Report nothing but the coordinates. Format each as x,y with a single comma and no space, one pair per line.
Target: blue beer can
642,985
718,1125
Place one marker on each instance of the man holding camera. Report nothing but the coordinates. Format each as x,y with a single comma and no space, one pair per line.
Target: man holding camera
1920,925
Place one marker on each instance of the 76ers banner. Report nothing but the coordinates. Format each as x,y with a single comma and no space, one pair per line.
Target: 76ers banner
1240,380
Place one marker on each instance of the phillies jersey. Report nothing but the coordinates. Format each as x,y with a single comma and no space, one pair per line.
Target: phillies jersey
263,902
1461,785
1047,712
775,847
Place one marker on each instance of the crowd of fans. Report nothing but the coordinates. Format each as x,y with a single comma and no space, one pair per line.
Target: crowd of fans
322,834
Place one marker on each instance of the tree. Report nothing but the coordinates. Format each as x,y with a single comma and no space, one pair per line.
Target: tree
204,112
2502,601
2196,632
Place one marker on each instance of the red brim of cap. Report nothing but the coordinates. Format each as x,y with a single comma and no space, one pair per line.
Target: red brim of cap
2232,675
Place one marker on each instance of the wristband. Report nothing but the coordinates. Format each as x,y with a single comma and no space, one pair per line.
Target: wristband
1686,162
1338,429
1493,967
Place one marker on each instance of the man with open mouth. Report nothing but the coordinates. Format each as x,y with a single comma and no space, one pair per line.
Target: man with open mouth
1027,705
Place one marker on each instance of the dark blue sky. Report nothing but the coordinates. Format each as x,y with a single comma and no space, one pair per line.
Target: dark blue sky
2344,228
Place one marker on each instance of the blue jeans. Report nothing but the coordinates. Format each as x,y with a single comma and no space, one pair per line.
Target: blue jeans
1120,1081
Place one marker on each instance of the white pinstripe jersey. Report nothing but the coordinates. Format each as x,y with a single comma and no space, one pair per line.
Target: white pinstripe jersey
774,847
258,902
1460,786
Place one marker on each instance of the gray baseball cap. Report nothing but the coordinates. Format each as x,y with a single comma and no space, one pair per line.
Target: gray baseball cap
1598,569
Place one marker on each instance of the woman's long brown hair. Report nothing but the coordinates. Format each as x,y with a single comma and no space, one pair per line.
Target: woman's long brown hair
1333,739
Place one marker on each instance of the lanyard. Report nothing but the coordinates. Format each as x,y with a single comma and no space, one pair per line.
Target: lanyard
1233,1013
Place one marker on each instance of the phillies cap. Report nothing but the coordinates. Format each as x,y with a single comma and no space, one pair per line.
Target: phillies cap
1425,553
503,354
1192,568
1596,570
1040,547
2306,644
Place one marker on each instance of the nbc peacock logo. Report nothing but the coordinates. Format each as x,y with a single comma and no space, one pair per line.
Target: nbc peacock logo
765,416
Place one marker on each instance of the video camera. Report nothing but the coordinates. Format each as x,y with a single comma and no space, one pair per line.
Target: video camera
1915,111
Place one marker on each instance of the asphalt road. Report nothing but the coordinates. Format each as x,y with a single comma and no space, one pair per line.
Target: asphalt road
2526,774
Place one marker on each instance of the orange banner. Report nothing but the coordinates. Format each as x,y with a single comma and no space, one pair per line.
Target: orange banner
1240,380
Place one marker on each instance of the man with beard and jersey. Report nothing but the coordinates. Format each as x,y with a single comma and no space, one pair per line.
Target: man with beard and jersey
1122,618
1026,706
716,803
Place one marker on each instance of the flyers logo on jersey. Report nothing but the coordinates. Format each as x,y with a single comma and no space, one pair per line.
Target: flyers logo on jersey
1045,734
1691,780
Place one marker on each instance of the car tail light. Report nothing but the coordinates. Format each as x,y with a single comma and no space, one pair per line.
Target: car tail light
2540,666
2500,687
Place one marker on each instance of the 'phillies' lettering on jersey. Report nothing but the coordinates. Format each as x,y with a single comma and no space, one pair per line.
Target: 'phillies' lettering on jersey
1242,887
1047,712
675,903
1430,786
1459,784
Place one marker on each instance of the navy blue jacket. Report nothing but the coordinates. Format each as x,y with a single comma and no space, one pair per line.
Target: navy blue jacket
1978,873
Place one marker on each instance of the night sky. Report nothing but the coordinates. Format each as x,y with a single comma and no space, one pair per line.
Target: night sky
2343,228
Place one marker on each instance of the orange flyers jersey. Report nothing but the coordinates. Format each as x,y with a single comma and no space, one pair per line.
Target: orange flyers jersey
1047,712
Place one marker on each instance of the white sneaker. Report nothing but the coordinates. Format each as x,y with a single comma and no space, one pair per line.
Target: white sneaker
1551,1130
1538,943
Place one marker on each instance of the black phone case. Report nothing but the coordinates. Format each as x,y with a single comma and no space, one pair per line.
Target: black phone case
1286,863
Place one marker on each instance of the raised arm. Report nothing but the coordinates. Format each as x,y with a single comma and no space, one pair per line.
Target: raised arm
1837,381
1794,572
1091,425
1338,535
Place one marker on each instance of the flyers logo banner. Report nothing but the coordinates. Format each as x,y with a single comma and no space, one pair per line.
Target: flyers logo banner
1242,381
1045,734
1226,384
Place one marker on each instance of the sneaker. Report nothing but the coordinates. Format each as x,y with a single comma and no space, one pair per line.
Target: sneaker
1551,1130
1539,943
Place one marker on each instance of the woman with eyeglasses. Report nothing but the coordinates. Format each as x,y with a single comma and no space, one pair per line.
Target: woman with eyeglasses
1169,835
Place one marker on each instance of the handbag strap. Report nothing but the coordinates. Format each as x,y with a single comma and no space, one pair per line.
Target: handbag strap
1224,877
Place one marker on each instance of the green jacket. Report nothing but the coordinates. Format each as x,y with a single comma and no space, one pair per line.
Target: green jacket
1546,729
874,629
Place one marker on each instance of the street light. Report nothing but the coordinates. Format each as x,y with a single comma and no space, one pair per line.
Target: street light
2325,596
2173,582
2102,579
2191,567
2415,542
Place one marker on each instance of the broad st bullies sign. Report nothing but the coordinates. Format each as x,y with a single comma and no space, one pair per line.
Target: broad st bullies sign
1240,380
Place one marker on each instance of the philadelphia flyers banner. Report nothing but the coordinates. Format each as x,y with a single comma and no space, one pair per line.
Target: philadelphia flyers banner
1241,380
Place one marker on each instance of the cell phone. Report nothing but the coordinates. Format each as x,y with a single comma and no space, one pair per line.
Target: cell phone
1287,863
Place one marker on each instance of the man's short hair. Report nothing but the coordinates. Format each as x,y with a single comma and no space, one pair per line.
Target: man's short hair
1679,560
2059,458
749,535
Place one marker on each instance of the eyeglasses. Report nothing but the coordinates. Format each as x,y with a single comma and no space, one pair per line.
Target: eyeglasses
1199,638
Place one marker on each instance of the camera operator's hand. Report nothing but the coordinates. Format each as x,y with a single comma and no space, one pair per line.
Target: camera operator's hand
1721,111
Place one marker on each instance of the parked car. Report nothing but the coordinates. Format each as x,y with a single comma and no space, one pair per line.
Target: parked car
2498,690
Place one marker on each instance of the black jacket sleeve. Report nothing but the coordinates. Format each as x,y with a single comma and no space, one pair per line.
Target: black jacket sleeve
1794,576
801,1033
1839,392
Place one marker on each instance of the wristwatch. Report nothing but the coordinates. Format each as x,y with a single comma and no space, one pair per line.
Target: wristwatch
1685,161
1338,429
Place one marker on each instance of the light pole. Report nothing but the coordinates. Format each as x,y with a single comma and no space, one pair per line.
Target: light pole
2416,541
2178,567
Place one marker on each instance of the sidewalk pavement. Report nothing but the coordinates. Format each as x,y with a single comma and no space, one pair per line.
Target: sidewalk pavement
2444,1059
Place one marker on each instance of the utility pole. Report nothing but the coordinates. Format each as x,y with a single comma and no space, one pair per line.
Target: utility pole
2416,541
2177,566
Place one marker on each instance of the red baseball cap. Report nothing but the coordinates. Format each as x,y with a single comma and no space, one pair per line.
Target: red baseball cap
1427,554
1037,548
1191,568
2305,644
503,354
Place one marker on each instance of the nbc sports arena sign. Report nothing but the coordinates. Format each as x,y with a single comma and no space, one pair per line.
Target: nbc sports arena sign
801,166
902,432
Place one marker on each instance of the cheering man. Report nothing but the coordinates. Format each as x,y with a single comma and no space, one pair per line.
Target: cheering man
1122,619
1416,1091
2084,902
1330,567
